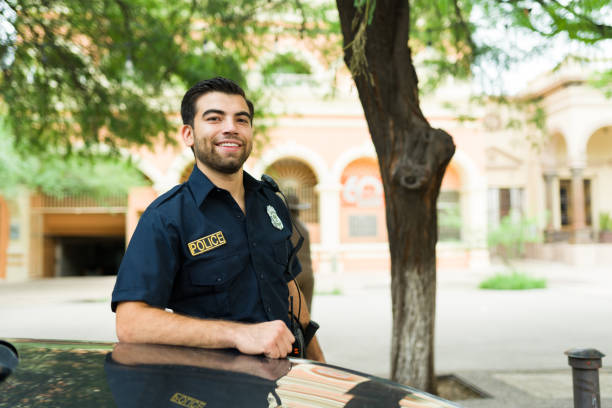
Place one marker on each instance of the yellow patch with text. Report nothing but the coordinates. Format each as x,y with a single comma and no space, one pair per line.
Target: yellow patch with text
186,401
205,244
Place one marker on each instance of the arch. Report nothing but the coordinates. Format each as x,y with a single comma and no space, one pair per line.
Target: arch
599,146
555,154
145,167
594,126
295,177
362,184
357,152
469,174
292,150
451,179
174,172
473,199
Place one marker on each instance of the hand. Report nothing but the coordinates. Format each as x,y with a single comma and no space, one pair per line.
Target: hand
273,339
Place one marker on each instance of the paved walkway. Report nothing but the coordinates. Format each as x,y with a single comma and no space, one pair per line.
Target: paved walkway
509,344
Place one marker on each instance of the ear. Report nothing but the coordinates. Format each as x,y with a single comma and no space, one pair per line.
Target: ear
186,132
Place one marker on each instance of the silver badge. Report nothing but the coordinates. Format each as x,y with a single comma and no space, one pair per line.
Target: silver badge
278,224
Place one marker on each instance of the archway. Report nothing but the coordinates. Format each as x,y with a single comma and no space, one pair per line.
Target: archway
296,177
449,206
362,206
598,173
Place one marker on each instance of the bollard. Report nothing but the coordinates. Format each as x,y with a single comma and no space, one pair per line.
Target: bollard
585,364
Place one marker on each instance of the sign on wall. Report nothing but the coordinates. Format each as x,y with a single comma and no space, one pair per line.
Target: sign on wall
364,191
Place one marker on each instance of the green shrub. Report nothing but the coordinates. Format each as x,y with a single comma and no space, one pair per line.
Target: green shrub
512,281
605,222
511,235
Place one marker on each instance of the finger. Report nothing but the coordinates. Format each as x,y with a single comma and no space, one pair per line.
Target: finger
282,349
273,351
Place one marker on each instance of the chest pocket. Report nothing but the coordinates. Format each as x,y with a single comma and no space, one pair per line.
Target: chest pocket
212,281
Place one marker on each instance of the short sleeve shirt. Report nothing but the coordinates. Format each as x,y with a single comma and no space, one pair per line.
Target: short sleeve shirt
194,251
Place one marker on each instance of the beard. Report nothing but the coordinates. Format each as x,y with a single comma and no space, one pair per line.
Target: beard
205,152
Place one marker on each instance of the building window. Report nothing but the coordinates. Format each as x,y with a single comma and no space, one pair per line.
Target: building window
449,216
503,202
362,226
15,231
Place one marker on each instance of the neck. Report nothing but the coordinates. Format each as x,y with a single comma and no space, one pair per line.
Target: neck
231,182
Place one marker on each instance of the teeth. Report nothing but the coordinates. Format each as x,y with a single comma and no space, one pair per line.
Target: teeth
229,144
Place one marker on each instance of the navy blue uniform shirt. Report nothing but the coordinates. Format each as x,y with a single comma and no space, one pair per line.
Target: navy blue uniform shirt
195,252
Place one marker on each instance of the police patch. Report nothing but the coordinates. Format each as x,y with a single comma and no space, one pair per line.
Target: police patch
274,219
187,401
205,244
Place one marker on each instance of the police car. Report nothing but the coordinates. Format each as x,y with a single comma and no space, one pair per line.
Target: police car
81,374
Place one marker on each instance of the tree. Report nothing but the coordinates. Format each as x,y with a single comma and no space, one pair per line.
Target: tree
378,36
106,71
76,74
412,158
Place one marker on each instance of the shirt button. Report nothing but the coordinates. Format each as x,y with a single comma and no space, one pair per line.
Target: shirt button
261,276
254,244
218,279
268,308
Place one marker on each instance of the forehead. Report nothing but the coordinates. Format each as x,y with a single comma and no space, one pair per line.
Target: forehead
227,103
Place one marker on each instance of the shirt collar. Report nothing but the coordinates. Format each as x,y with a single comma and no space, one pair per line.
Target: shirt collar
200,185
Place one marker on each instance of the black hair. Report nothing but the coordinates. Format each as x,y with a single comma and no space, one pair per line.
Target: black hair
218,84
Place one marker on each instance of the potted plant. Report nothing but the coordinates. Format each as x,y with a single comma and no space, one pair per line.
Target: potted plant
605,227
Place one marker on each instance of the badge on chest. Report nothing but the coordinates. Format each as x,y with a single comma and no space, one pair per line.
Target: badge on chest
274,218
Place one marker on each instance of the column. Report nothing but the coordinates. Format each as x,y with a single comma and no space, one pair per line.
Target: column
580,234
549,179
329,218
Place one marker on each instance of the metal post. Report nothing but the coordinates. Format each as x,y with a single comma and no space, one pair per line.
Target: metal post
585,364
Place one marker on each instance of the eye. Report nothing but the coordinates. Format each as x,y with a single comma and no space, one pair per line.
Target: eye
243,120
213,119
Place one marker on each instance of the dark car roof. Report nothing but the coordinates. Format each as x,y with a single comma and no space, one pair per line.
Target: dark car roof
84,374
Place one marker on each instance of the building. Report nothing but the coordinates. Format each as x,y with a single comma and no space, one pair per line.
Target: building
320,149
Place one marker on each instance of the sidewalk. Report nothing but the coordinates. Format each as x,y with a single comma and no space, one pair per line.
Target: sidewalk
509,344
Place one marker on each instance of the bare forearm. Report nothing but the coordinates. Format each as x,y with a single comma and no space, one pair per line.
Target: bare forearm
138,322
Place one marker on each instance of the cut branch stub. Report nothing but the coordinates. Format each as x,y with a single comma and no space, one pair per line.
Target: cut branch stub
411,175
420,157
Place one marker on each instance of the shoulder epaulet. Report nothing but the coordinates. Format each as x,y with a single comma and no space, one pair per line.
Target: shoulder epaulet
167,195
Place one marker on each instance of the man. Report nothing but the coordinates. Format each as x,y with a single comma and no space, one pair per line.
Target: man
305,279
214,249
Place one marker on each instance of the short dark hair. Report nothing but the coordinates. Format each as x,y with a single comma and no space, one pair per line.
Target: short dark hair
218,84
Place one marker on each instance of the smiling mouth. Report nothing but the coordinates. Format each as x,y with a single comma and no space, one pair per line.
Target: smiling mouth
228,144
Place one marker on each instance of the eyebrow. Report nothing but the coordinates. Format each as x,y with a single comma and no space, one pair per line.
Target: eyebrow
220,112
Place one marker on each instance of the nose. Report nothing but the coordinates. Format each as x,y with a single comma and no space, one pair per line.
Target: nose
229,125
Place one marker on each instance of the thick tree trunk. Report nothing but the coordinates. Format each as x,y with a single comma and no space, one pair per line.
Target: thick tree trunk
412,158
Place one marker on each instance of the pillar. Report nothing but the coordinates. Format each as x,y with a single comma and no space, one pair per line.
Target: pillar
580,233
549,179
329,218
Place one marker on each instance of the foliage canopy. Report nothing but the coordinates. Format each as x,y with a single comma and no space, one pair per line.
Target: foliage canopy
108,71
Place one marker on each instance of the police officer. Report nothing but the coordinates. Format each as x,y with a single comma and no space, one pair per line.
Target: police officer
207,265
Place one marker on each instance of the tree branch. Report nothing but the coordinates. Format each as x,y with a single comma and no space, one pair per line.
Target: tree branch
463,24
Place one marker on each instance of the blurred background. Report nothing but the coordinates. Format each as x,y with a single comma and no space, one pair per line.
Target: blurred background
89,102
